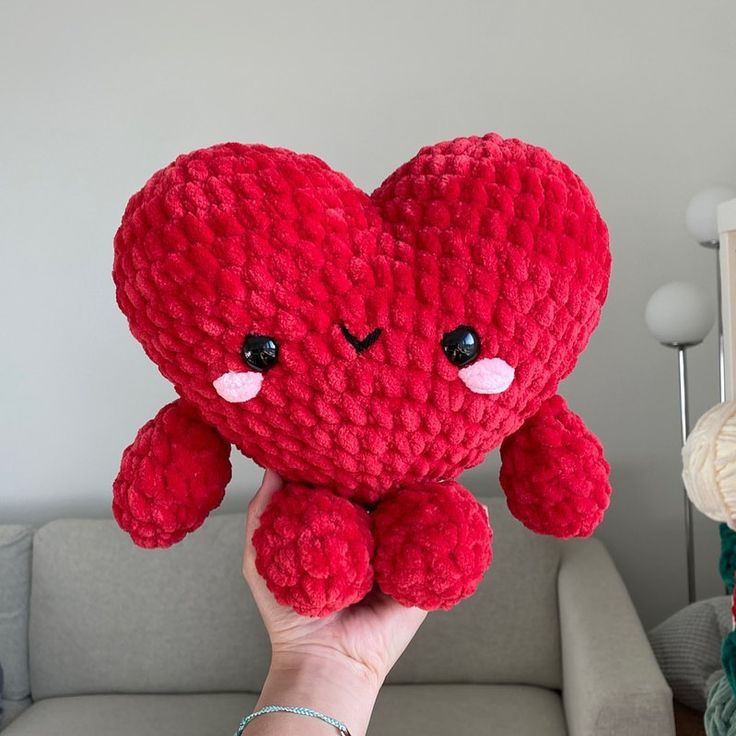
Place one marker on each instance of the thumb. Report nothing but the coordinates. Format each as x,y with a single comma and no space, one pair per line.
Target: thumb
269,485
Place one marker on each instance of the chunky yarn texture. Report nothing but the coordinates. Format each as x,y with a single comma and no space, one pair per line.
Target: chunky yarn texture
368,349
720,712
709,463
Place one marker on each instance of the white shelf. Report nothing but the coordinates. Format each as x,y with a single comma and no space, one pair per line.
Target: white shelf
727,230
727,216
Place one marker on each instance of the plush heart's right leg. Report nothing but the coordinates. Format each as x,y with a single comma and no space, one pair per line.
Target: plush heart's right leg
314,550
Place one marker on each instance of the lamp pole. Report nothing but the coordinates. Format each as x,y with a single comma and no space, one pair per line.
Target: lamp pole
685,431
680,315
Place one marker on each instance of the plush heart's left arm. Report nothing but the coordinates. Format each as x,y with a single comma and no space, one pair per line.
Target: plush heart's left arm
554,473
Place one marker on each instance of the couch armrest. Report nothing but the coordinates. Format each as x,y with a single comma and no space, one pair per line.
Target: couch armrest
611,683
16,546
11,710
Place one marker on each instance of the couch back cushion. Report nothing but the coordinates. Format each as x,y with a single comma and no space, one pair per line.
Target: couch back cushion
107,616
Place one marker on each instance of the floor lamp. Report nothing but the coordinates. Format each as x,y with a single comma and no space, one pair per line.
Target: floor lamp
680,315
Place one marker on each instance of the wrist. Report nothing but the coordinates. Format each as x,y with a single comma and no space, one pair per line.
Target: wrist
328,665
332,684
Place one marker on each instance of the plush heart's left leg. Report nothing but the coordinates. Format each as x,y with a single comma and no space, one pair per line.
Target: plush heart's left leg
433,544
314,550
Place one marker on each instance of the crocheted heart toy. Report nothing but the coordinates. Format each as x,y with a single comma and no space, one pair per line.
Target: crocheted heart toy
368,349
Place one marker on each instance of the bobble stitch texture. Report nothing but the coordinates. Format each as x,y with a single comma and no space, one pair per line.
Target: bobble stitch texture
314,549
554,473
171,477
433,545
362,404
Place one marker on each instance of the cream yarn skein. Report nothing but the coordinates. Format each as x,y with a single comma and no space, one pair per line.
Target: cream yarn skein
709,463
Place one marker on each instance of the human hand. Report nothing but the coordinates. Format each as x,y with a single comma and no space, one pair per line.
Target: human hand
334,664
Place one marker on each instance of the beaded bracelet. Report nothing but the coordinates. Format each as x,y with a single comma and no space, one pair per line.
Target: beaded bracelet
339,725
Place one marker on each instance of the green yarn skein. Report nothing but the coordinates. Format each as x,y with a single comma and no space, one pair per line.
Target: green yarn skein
727,567
720,711
727,563
728,659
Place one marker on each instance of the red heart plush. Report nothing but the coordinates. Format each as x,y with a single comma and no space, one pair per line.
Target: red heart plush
368,349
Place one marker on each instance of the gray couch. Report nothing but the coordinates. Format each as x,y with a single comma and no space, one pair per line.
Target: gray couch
124,641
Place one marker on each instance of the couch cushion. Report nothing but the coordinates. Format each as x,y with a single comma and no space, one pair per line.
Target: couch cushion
687,646
107,616
430,710
16,544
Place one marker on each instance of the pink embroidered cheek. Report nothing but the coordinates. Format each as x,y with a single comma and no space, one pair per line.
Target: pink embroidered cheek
237,387
487,376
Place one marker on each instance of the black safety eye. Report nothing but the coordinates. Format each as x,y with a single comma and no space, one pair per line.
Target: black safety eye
461,346
260,352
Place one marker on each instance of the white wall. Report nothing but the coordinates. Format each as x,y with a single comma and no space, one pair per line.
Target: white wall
637,95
